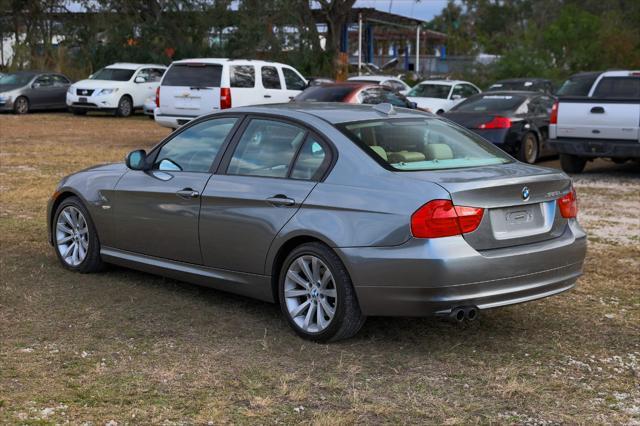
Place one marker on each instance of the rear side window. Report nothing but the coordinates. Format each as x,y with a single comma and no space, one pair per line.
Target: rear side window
193,75
490,103
293,80
242,76
578,85
313,160
618,88
422,144
324,94
266,148
270,78
194,149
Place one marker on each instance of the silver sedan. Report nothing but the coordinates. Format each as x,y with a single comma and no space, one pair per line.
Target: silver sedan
335,212
25,91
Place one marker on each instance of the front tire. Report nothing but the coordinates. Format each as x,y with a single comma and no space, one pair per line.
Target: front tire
316,295
529,149
572,163
125,107
21,105
75,238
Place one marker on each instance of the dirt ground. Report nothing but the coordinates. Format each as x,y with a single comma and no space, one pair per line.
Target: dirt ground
132,348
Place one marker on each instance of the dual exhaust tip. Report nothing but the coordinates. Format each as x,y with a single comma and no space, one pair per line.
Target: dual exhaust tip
469,313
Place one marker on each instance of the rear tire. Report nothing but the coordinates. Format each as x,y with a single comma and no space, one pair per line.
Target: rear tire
572,163
318,300
529,149
75,238
21,105
125,107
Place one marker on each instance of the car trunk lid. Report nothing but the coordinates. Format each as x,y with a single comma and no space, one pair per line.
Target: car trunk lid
519,201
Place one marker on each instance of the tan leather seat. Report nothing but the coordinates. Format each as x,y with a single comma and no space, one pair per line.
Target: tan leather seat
438,151
405,156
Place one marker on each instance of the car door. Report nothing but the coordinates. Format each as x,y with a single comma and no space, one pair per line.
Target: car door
257,191
540,109
271,82
156,210
294,83
59,94
145,83
42,93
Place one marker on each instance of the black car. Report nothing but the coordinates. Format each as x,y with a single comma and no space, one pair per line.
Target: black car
517,122
520,84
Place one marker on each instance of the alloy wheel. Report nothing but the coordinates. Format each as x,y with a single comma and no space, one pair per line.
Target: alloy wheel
72,236
310,293
530,149
22,105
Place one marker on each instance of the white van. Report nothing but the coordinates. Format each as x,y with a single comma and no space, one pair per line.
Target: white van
193,87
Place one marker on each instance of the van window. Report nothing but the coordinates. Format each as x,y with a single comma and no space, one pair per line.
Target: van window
193,75
270,78
242,75
618,88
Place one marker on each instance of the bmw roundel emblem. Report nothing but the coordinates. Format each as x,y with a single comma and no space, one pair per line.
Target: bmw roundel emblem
525,193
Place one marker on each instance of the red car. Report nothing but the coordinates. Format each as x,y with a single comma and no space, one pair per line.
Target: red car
354,93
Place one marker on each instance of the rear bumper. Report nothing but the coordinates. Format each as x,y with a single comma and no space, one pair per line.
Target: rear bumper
597,147
432,277
171,121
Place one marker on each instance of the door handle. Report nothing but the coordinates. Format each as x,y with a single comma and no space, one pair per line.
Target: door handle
281,200
188,193
291,98
597,110
267,96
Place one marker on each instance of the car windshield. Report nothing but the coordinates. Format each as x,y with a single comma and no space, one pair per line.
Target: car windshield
490,103
15,79
422,144
113,74
325,94
440,91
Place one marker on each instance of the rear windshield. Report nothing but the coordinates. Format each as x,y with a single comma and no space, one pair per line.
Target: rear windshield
490,103
193,75
618,88
578,85
113,74
439,91
422,144
325,94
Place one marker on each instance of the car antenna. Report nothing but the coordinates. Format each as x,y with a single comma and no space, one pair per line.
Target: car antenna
385,108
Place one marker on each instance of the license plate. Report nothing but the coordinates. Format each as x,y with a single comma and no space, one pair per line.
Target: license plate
519,221
83,100
188,103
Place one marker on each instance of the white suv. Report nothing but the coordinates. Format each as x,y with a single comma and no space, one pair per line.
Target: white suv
193,87
119,88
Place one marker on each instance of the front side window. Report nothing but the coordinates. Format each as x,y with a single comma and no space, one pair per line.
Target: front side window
422,144
266,148
438,91
242,76
44,81
270,78
194,149
293,80
113,74
312,161
155,75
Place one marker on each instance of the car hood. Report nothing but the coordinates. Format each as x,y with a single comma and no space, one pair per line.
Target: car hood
98,84
110,167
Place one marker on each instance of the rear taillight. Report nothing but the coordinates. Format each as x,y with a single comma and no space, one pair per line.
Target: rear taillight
553,118
497,122
158,97
440,218
569,204
225,98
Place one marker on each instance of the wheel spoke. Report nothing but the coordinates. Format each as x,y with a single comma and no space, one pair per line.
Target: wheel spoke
296,293
81,250
326,278
298,279
322,322
304,267
64,240
300,309
69,250
327,308
62,228
84,243
329,292
315,269
310,313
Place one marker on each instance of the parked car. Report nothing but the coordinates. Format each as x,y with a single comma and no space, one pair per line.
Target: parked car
193,87
24,91
120,88
523,84
597,115
441,95
149,106
517,122
367,68
317,81
383,80
354,93
336,212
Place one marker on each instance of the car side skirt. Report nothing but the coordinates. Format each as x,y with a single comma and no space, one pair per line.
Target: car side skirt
251,285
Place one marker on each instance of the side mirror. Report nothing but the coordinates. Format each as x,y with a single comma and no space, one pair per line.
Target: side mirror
140,80
135,160
456,97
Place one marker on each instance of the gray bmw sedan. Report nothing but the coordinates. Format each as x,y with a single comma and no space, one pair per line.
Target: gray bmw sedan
336,212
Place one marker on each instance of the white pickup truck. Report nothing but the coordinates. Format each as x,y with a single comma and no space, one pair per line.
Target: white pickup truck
597,114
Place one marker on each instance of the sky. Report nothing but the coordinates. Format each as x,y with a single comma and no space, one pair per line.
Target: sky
421,9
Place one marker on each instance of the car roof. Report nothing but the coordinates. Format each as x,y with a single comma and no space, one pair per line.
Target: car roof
520,79
444,82
332,112
373,77
132,66
525,93
226,60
